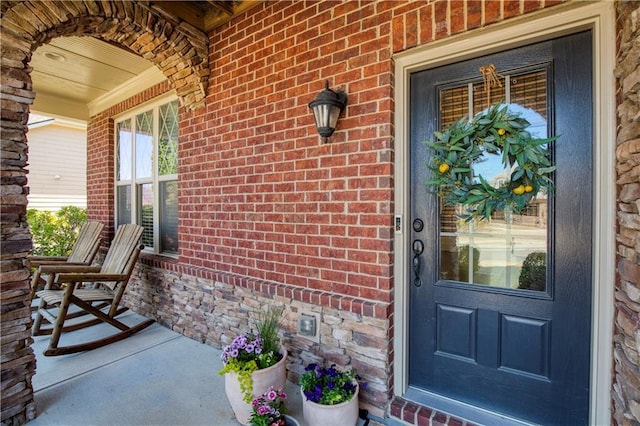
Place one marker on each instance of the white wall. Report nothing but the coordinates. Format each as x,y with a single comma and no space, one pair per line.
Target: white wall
57,165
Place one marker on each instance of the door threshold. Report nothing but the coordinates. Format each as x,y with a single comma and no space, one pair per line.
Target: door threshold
417,407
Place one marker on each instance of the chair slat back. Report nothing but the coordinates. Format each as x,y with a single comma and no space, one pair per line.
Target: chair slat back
87,244
123,252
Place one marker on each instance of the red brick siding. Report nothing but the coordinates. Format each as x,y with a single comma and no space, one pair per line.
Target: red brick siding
260,195
265,207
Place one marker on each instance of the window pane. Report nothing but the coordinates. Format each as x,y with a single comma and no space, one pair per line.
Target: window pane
169,216
509,250
144,145
145,213
124,204
454,105
168,143
123,135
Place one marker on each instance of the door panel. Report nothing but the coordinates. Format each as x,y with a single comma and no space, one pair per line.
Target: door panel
500,312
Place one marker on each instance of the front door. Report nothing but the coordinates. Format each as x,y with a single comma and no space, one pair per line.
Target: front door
500,310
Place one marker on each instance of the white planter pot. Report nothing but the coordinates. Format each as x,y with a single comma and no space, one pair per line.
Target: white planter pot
290,421
344,414
275,376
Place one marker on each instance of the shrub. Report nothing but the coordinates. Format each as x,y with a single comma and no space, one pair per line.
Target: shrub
55,233
534,272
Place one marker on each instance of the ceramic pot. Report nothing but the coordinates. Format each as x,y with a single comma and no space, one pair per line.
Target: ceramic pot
345,413
290,421
263,379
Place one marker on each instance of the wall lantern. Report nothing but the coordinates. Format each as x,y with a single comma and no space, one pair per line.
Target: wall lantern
327,107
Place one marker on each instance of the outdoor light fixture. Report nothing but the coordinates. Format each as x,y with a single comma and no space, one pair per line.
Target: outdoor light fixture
327,107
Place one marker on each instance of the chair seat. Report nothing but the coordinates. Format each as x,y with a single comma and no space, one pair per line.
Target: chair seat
87,295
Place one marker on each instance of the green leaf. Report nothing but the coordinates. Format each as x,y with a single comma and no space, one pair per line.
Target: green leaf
518,174
546,170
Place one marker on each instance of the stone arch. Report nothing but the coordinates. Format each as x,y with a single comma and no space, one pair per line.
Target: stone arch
177,48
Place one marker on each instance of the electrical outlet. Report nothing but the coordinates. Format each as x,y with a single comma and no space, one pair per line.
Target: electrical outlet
309,326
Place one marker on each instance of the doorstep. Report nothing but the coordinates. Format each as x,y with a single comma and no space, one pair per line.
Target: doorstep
408,412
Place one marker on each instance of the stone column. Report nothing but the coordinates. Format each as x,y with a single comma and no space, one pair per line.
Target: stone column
18,360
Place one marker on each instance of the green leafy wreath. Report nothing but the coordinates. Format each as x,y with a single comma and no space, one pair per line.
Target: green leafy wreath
494,131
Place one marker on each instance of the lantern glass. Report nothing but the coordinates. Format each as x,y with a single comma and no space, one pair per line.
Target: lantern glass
327,108
326,117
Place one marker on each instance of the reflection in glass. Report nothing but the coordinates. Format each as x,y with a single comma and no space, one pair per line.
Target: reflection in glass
169,216
508,252
124,204
145,213
144,145
123,160
168,140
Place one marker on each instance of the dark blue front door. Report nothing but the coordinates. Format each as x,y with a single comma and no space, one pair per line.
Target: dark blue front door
500,311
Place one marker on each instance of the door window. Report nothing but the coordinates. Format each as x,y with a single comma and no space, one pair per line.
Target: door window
509,250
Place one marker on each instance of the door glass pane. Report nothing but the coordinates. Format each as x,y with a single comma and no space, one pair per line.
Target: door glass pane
169,216
123,135
145,213
509,250
124,204
144,145
168,142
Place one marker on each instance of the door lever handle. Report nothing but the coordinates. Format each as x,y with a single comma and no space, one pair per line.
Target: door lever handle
418,248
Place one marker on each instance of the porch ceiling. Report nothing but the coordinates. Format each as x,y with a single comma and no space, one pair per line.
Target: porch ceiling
75,77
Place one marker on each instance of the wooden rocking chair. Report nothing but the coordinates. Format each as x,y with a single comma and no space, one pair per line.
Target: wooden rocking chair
83,252
108,284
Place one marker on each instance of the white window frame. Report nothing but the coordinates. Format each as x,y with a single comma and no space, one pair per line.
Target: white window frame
154,180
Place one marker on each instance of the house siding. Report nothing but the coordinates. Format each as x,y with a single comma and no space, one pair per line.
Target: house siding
57,167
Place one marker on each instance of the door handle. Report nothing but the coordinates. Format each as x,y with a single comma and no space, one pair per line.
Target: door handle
418,248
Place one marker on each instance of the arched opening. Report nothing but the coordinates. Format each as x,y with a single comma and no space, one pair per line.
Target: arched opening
174,46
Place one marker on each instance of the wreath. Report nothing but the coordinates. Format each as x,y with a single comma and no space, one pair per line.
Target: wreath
494,131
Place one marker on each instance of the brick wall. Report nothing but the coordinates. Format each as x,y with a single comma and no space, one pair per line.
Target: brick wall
626,388
270,213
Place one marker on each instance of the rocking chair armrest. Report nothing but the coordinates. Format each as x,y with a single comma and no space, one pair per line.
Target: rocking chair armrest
69,267
50,263
34,258
35,261
89,277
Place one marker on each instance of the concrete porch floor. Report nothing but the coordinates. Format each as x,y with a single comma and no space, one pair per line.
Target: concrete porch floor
156,377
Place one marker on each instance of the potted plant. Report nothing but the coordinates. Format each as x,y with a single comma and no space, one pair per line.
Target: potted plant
330,396
269,410
253,363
